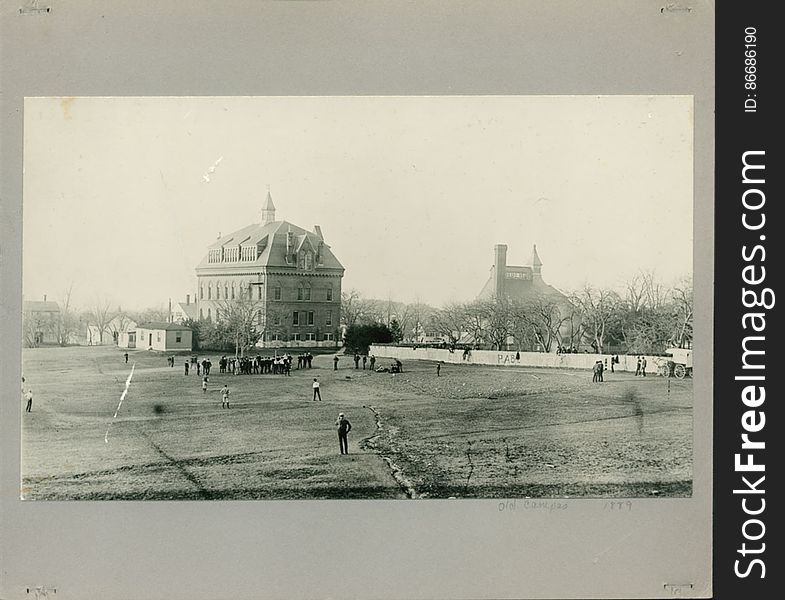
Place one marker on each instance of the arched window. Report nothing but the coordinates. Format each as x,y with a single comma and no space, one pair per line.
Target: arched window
308,261
233,290
226,291
201,313
209,316
218,291
209,292
201,292
217,314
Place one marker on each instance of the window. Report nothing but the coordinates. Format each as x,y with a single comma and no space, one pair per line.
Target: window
328,337
158,336
276,337
329,319
226,291
295,318
329,294
259,292
310,317
276,293
178,337
308,261
201,313
217,314
311,337
259,317
307,292
201,292
295,337
209,316
277,319
233,290
209,293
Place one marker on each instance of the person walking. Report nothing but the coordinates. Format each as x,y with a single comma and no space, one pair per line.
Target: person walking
643,366
438,369
344,427
365,359
335,362
356,361
373,362
316,392
204,384
126,357
187,366
638,367
29,398
601,370
225,396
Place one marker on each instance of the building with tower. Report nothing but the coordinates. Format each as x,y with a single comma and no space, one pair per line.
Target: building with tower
516,283
286,275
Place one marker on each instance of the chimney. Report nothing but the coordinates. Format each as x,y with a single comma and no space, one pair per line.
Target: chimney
188,299
318,231
499,268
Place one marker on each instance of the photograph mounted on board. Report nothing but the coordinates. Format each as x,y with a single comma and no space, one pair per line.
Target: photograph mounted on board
357,297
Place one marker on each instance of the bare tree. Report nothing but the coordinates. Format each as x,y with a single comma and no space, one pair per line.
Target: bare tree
450,321
655,294
683,299
241,322
100,316
68,321
356,310
599,308
545,316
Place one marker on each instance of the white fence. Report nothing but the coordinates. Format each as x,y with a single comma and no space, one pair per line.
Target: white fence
520,359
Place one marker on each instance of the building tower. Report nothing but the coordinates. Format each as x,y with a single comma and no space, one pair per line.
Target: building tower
536,264
268,210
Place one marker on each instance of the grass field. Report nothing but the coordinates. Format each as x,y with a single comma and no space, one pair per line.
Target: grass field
473,432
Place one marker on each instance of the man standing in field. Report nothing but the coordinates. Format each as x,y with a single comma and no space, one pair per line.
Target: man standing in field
438,369
126,357
187,366
344,427
225,396
204,384
29,398
335,362
316,391
643,366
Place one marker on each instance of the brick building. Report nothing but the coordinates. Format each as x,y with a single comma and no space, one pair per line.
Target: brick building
517,282
286,275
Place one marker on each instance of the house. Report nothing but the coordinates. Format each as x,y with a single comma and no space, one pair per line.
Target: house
41,322
161,336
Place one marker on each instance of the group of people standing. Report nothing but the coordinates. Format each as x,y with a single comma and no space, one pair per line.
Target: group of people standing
365,358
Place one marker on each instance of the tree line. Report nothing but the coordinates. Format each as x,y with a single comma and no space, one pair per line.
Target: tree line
646,318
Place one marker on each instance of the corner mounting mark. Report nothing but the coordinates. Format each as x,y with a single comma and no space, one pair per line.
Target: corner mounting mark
32,8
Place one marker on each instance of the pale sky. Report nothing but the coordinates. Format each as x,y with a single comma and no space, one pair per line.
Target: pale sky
411,192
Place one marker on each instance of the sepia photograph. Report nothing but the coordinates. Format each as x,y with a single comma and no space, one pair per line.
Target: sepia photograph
357,297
